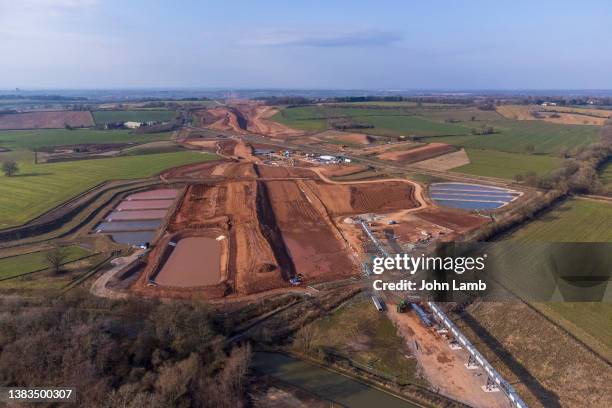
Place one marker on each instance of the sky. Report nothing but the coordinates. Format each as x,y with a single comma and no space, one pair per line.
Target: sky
332,44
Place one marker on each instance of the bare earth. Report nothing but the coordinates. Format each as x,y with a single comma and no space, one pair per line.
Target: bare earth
446,161
444,368
418,153
46,120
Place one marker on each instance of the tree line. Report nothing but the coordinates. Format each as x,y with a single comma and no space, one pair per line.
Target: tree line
131,353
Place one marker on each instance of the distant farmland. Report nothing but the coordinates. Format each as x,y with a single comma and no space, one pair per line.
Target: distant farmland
45,120
114,116
519,136
506,165
573,221
386,122
32,139
409,125
39,187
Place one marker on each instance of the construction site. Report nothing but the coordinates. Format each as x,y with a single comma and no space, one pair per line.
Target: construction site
263,218
294,216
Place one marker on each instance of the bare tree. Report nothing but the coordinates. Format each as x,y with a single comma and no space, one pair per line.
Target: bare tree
305,337
56,258
9,167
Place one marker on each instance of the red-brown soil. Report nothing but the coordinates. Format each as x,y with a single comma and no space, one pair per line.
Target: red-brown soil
275,221
265,171
245,117
46,120
230,209
159,194
313,242
358,198
418,153
208,145
191,170
450,218
337,170
222,118
258,121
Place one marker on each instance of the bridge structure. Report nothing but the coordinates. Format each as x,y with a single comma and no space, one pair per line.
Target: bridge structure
495,381
494,378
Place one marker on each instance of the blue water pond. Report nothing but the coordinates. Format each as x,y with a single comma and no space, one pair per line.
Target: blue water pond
471,196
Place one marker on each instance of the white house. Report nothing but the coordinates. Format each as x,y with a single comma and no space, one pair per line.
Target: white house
132,125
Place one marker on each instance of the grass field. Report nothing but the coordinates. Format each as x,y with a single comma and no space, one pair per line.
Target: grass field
22,264
33,139
575,220
113,116
605,173
506,165
410,125
38,188
592,317
371,340
516,136
386,122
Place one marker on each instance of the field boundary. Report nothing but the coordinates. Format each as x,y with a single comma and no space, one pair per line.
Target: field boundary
47,268
562,327
379,383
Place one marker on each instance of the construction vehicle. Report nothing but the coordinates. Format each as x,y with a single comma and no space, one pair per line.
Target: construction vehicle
297,279
403,306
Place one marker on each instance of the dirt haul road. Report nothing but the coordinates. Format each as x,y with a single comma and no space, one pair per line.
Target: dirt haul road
247,117
419,193
258,121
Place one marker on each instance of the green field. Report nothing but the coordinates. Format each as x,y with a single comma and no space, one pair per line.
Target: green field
33,139
114,116
592,317
516,136
573,221
40,187
506,165
22,264
394,120
409,125
605,173
371,340
386,122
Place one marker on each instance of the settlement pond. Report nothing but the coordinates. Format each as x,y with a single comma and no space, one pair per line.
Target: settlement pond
135,220
194,261
471,196
324,383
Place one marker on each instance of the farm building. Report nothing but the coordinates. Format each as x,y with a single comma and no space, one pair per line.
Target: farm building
132,125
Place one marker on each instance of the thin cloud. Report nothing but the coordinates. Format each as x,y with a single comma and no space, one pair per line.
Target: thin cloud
323,38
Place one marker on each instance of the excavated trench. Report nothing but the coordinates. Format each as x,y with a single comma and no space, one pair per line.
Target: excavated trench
271,231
